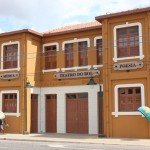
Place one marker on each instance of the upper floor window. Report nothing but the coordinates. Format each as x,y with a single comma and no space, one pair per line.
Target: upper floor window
10,56
128,41
69,55
83,58
50,57
99,51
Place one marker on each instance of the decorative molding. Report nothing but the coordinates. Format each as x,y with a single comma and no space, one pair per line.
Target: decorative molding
51,70
50,44
67,69
96,38
97,66
74,41
82,67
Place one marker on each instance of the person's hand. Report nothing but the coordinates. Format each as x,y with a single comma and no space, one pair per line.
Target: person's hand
7,125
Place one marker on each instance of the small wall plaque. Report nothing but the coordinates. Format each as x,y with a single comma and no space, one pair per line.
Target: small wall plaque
128,65
78,74
9,76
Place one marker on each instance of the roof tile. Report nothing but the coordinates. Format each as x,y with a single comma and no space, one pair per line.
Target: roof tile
74,27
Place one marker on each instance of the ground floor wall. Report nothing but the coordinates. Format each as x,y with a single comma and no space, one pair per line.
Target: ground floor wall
12,104
61,92
124,98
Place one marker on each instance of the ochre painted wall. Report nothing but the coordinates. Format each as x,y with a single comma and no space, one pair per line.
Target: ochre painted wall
29,43
128,125
47,78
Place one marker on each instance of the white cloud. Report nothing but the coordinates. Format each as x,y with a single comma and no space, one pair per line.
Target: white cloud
43,15
1,31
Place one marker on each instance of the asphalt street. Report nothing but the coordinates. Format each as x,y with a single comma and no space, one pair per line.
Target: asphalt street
27,145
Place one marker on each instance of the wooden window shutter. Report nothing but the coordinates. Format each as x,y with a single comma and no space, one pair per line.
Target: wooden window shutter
99,51
83,55
69,55
128,42
50,57
129,99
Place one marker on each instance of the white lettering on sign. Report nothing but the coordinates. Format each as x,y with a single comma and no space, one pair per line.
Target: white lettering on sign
80,74
128,65
9,76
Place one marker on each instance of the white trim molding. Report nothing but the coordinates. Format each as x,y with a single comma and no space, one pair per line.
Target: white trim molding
18,56
50,44
96,38
51,70
97,66
116,113
82,67
76,68
75,40
67,69
141,56
17,114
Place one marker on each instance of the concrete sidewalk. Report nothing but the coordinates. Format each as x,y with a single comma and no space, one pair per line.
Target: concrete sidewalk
74,138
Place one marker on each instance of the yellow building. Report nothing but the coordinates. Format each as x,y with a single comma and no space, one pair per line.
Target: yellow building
86,78
126,72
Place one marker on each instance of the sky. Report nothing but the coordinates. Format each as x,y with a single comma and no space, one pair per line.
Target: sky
44,15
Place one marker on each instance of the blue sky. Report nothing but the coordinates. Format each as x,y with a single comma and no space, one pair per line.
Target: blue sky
44,15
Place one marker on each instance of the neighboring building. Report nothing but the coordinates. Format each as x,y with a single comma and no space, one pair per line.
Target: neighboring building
59,65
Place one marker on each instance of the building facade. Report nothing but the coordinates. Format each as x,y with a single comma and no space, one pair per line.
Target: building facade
126,79
112,51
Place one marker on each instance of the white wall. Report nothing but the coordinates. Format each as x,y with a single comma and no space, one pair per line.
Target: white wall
61,105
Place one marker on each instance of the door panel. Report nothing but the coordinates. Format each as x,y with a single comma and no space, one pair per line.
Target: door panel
71,116
51,115
34,113
82,110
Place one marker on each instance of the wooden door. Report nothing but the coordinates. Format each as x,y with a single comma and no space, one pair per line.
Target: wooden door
34,113
82,116
51,110
71,116
77,113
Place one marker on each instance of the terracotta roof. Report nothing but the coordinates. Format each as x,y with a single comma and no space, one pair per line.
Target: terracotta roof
118,14
20,31
73,28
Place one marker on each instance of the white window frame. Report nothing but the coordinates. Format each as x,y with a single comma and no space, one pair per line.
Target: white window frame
116,113
57,49
141,56
17,114
75,40
18,56
96,38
